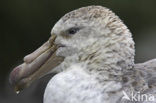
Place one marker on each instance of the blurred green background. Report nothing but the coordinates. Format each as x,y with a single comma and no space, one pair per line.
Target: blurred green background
26,24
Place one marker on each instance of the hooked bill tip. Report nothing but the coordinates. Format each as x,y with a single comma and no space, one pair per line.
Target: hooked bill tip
14,75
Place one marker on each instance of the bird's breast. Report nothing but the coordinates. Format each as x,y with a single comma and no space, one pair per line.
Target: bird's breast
74,86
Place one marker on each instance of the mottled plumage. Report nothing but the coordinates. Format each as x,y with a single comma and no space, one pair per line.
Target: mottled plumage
97,58
92,53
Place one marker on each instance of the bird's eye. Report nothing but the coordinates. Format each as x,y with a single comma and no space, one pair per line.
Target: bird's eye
73,30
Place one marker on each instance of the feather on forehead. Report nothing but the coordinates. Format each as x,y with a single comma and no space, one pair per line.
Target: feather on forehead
88,13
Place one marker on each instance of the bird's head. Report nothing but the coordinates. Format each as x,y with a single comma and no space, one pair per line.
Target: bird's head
91,34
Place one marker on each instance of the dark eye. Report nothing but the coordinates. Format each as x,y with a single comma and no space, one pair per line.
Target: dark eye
73,30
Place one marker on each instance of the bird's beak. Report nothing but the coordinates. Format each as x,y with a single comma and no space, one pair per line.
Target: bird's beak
36,65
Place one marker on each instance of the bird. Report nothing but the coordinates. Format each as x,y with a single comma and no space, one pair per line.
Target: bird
92,53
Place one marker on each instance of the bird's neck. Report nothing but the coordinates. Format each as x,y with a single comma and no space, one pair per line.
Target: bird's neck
107,60
104,67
